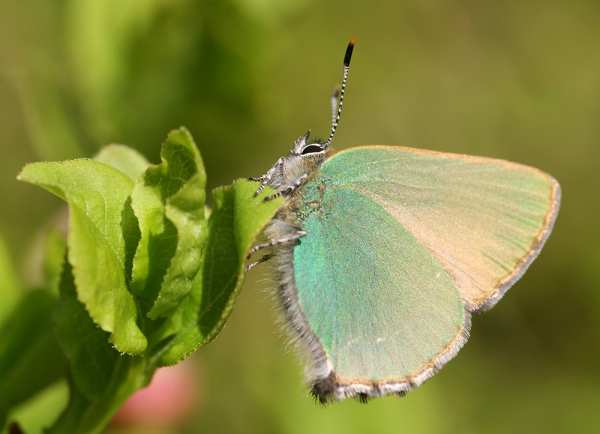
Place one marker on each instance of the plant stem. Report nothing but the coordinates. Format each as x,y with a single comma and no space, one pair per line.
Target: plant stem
86,416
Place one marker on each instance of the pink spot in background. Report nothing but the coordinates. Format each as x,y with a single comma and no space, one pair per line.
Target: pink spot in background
169,401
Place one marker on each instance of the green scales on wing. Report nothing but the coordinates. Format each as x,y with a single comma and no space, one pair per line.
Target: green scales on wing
402,244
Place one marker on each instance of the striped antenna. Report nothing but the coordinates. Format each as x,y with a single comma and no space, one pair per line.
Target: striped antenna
336,119
334,103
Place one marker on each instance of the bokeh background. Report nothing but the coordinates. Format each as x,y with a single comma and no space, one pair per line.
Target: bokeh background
512,79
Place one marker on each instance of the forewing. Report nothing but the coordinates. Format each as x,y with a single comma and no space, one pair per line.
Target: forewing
484,220
384,309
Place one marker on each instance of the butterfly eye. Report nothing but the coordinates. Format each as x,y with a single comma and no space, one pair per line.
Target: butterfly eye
312,149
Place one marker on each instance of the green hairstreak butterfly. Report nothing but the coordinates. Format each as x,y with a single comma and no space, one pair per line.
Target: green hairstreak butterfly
383,253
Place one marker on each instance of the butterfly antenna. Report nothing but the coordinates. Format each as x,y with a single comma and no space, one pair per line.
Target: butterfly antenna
334,103
336,118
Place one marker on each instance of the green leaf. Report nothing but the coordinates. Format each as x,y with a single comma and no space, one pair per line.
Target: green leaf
97,195
123,158
186,211
55,247
168,201
85,416
91,357
30,357
71,416
237,219
10,288
101,378
43,409
132,164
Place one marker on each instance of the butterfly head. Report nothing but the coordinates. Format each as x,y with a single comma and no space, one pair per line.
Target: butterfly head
306,149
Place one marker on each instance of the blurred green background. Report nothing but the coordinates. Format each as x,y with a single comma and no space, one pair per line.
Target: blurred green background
518,80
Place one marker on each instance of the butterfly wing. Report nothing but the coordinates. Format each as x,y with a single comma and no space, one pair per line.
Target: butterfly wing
403,245
484,220
383,308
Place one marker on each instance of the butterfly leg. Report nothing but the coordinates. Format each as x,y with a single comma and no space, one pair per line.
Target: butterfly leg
260,261
267,176
287,239
289,189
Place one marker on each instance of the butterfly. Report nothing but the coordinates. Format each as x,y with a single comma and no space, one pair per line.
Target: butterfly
383,253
